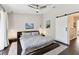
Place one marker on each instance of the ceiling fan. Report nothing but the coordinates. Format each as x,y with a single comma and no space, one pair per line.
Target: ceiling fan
37,7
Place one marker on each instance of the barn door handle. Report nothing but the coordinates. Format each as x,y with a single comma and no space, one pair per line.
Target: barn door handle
66,28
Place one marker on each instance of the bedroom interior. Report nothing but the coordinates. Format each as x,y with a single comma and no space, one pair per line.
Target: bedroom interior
39,29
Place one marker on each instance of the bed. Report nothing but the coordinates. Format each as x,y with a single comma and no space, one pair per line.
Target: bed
32,43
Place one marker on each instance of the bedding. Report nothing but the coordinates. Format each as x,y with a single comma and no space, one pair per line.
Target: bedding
30,43
25,36
34,33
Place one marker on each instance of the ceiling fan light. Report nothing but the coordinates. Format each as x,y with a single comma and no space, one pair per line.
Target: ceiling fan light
37,10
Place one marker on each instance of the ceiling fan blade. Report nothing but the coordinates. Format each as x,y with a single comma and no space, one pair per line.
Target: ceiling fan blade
34,4
31,6
43,7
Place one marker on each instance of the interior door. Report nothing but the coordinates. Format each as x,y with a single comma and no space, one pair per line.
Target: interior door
61,29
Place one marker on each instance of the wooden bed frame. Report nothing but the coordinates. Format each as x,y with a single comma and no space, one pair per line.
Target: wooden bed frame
38,51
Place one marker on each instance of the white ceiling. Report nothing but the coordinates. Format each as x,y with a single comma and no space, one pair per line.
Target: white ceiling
23,8
59,8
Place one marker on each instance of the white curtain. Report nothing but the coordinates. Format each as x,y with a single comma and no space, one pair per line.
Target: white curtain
3,30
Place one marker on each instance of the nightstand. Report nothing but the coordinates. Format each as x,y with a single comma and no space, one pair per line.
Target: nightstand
12,40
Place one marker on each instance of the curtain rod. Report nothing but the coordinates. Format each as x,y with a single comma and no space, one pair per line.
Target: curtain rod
67,14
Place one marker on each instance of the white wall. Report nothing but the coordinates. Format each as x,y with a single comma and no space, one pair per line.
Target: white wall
50,31
51,15
17,21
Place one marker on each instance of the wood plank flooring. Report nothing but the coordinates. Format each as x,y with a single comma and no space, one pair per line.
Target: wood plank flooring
5,51
73,48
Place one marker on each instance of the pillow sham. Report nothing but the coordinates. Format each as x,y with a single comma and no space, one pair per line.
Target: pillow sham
27,34
34,33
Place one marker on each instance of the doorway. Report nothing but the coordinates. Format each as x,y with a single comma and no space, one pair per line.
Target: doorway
73,33
72,27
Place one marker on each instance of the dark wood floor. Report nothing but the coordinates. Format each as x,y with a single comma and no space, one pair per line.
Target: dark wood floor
6,49
73,49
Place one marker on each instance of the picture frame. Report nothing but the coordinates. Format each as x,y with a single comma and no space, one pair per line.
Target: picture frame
48,24
29,26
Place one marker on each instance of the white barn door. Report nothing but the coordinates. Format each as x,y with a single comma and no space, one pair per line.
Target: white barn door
61,29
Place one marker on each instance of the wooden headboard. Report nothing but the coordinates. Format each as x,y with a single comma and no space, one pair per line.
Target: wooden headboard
19,48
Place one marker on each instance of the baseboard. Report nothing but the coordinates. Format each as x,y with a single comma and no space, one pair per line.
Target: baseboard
62,43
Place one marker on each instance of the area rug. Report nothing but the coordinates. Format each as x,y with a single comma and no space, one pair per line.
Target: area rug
45,49
57,50
13,49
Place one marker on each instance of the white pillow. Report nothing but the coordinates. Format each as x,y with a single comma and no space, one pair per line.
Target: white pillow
34,33
27,34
